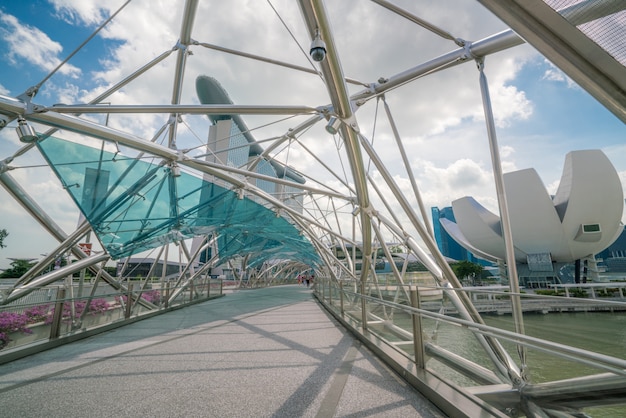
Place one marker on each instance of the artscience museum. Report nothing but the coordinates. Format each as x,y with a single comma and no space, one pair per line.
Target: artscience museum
549,232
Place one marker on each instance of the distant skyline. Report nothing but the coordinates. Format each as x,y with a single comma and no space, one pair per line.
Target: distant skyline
541,114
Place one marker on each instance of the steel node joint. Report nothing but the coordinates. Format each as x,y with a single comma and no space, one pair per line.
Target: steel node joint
324,110
4,165
369,211
29,93
480,63
352,122
467,52
180,45
461,42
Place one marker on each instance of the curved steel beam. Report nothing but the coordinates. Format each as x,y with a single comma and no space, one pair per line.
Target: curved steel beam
317,21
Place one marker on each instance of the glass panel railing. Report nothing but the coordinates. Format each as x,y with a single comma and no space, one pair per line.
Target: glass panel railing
49,313
571,347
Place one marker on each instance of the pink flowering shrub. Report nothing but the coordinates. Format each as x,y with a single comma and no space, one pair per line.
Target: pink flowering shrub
152,296
11,322
40,313
96,307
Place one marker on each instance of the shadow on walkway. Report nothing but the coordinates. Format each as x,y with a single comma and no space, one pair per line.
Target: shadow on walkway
256,353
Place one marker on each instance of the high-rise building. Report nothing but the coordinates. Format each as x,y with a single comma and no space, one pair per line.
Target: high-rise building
447,245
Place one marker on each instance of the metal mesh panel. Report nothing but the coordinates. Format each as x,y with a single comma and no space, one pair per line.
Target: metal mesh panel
607,32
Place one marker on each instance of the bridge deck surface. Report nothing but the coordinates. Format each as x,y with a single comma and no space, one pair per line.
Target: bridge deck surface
254,353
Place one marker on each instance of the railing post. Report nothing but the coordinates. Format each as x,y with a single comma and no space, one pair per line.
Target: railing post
418,344
167,295
363,307
55,327
129,301
341,298
330,292
191,291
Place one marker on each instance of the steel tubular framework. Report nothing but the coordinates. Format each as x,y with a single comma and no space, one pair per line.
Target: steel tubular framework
349,209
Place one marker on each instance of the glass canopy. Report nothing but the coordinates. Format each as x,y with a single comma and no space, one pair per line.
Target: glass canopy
135,205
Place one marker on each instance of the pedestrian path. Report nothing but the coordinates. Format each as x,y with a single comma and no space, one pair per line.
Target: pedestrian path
270,352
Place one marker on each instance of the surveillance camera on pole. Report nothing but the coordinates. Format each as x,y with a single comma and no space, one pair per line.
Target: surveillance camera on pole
318,48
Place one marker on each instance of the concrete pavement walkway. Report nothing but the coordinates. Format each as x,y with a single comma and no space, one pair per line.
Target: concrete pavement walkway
254,353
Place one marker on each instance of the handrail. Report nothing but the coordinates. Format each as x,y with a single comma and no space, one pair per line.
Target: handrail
601,389
605,362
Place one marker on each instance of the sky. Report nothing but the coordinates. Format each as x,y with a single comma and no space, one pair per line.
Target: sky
541,115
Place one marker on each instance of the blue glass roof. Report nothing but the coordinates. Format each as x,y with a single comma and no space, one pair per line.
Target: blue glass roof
134,205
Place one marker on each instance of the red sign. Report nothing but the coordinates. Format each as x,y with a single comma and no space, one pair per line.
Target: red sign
86,247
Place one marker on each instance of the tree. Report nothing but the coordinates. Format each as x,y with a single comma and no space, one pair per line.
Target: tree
396,249
3,235
19,266
467,269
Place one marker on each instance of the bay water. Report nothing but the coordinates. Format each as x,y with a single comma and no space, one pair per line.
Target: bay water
600,332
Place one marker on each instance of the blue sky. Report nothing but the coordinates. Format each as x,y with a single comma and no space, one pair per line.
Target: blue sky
39,17
565,116
541,114
578,113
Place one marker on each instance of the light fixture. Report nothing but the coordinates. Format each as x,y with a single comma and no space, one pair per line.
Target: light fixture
25,132
174,169
318,47
333,125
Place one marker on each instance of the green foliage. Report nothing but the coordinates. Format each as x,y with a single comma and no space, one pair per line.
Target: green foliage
606,293
466,269
111,270
19,266
545,292
578,293
396,249
415,266
3,235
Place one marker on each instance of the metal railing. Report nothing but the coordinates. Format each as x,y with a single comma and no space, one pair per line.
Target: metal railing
52,315
425,339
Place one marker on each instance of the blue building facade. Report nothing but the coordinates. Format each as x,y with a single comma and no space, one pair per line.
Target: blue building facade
614,257
447,245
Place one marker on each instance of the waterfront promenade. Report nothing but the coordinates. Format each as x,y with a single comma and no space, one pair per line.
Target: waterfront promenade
270,352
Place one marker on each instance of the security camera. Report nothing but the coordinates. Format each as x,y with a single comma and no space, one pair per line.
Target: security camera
318,48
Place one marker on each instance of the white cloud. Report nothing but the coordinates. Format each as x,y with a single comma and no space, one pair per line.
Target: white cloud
510,103
439,117
27,238
83,12
26,43
506,151
552,187
555,74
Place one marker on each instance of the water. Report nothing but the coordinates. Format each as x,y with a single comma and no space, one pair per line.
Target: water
602,332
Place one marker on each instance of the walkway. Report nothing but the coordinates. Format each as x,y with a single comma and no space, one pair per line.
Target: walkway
255,353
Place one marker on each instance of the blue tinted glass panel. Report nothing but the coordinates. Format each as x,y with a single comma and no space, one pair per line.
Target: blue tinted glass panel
136,205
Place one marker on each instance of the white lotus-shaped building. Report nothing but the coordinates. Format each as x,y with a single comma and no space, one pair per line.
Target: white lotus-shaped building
582,219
